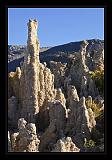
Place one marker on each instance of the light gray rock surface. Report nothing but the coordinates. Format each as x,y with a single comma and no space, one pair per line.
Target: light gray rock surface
65,145
26,139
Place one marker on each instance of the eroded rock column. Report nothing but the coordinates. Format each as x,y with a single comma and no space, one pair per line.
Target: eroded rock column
30,71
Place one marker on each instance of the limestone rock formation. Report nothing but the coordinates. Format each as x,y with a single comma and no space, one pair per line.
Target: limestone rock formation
58,112
37,80
30,75
58,69
55,130
65,145
13,141
92,121
79,67
78,73
13,110
46,107
67,82
73,100
80,121
98,59
26,139
48,138
88,87
33,83
84,87
60,96
14,83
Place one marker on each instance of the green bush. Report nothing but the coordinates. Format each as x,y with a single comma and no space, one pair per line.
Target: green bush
96,108
89,143
98,76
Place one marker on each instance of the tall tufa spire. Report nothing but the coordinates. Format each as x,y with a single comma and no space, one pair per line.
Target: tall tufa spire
33,44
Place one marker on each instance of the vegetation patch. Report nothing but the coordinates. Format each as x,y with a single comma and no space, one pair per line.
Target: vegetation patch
96,107
89,143
98,76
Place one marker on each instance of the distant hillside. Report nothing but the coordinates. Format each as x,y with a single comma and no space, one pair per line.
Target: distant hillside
57,53
18,51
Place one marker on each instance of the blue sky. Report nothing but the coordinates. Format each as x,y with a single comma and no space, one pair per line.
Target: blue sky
56,25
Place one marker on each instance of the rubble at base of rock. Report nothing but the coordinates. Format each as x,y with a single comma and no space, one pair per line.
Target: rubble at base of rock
26,139
47,106
65,145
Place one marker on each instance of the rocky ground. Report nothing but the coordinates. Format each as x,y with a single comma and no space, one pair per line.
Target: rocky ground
56,96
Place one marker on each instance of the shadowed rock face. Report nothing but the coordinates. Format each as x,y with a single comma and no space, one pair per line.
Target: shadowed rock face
13,112
61,53
47,107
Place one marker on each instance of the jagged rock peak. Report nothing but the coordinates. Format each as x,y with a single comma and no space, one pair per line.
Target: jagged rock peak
72,93
84,46
33,44
21,123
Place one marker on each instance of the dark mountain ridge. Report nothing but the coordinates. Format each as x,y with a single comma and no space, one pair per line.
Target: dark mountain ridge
56,53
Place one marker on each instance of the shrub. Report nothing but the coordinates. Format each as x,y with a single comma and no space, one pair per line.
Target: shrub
96,108
89,143
98,76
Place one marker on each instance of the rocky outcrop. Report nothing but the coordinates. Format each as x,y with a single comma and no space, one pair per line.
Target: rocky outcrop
98,59
57,112
65,145
33,84
37,81
78,73
58,69
13,141
55,130
60,96
81,128
26,139
30,75
73,100
13,112
47,107
48,138
88,87
92,121
80,120
79,67
84,86
14,83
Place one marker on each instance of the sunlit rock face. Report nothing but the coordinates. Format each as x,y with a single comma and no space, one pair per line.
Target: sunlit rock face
26,139
65,145
34,82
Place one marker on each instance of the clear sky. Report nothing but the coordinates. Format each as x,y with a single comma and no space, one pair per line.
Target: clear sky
56,25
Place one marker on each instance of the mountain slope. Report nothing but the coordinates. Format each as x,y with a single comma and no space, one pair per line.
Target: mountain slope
57,53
